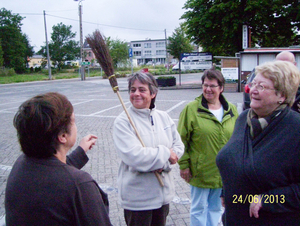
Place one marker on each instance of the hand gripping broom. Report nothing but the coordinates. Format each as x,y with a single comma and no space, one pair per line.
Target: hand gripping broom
101,51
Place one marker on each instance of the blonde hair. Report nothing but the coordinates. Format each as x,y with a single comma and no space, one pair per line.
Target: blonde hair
285,77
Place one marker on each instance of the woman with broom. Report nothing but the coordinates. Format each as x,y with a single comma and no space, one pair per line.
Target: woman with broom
144,200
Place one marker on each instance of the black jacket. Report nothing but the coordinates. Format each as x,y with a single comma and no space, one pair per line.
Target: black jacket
49,192
268,165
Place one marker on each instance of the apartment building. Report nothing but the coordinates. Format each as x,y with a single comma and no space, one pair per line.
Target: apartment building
149,51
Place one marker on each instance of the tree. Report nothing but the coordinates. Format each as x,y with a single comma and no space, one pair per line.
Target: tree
62,47
1,55
179,43
14,44
29,49
118,50
217,25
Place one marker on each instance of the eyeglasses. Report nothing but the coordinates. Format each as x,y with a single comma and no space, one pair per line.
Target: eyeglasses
259,87
210,86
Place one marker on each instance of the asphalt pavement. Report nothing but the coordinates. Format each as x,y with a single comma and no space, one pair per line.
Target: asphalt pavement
96,106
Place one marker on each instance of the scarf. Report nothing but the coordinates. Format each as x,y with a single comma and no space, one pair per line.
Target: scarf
257,125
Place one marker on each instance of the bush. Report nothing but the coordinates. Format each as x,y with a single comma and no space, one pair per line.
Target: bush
7,72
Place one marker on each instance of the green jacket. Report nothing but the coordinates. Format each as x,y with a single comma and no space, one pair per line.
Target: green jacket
204,136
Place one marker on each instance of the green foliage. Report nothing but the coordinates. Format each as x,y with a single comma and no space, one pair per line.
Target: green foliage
15,45
62,47
1,55
7,72
179,43
165,77
217,25
119,52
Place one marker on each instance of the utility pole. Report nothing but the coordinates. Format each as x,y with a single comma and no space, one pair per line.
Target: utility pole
167,59
82,69
48,57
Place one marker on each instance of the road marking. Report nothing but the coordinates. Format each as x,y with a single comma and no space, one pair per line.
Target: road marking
107,109
175,106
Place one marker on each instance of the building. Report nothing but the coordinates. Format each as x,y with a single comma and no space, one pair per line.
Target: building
35,61
149,51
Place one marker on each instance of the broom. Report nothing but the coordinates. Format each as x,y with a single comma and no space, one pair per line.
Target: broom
101,51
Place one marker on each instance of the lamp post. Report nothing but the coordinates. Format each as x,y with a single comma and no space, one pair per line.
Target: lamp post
82,70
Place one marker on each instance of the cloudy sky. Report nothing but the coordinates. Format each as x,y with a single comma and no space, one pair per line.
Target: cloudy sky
127,20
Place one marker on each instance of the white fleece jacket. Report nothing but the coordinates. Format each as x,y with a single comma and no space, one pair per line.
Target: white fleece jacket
138,186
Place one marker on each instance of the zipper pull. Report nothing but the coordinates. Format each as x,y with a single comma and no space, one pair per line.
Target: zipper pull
151,120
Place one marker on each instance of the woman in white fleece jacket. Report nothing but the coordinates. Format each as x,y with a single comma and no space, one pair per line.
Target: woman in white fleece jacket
144,200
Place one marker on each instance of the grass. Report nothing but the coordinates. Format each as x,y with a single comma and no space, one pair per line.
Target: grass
6,78
42,76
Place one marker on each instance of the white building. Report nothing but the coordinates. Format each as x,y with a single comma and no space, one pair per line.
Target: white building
149,51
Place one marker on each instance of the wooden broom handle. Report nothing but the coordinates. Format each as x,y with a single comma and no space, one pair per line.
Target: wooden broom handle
138,135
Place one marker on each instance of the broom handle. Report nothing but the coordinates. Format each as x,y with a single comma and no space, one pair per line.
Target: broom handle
138,135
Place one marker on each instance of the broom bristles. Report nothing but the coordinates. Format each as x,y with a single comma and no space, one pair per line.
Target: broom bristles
101,51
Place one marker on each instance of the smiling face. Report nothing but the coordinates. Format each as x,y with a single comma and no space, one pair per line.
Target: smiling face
140,95
211,90
265,101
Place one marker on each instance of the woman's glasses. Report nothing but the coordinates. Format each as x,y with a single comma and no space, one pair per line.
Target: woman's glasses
259,87
210,86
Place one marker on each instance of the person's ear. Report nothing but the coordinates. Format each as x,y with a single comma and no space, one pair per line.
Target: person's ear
281,97
62,138
222,89
153,95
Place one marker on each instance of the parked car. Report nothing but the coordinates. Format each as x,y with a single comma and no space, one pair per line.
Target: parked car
246,95
149,63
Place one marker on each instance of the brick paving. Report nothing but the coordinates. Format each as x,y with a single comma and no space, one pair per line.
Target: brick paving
96,107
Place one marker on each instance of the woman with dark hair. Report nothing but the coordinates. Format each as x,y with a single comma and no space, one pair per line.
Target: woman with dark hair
205,125
45,186
144,200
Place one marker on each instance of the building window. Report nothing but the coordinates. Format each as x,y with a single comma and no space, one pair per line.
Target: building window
147,45
160,52
148,53
137,53
160,44
137,45
90,54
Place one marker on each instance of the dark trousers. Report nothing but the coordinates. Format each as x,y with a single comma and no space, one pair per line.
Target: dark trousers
157,217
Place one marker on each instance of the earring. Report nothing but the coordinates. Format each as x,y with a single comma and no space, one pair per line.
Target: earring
280,102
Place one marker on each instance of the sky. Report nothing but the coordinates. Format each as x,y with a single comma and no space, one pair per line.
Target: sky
127,20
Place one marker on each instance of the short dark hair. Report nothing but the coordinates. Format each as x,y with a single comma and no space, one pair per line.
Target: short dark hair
40,120
214,74
147,79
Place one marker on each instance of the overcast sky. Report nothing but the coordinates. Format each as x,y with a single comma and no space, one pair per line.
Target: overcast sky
127,20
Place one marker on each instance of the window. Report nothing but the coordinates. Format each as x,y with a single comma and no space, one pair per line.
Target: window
90,54
147,45
148,53
160,44
137,45
160,52
137,53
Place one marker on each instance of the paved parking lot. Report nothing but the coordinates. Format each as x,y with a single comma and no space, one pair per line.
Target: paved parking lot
96,107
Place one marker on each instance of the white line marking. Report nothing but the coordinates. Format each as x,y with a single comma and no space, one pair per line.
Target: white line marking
83,102
107,109
175,106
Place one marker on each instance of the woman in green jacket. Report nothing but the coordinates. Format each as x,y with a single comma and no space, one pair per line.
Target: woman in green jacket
205,125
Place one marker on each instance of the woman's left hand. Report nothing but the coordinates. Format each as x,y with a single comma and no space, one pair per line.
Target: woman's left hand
255,207
88,142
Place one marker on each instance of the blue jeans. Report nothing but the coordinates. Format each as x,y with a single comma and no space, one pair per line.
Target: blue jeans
205,207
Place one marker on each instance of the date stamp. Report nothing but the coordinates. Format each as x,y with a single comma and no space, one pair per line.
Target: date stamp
258,199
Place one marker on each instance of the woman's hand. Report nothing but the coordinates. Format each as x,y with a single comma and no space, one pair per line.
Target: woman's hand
88,142
186,174
173,157
255,207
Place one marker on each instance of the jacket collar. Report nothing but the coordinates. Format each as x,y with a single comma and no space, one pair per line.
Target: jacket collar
203,105
142,112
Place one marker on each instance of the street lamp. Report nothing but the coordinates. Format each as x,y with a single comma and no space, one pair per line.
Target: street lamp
82,70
